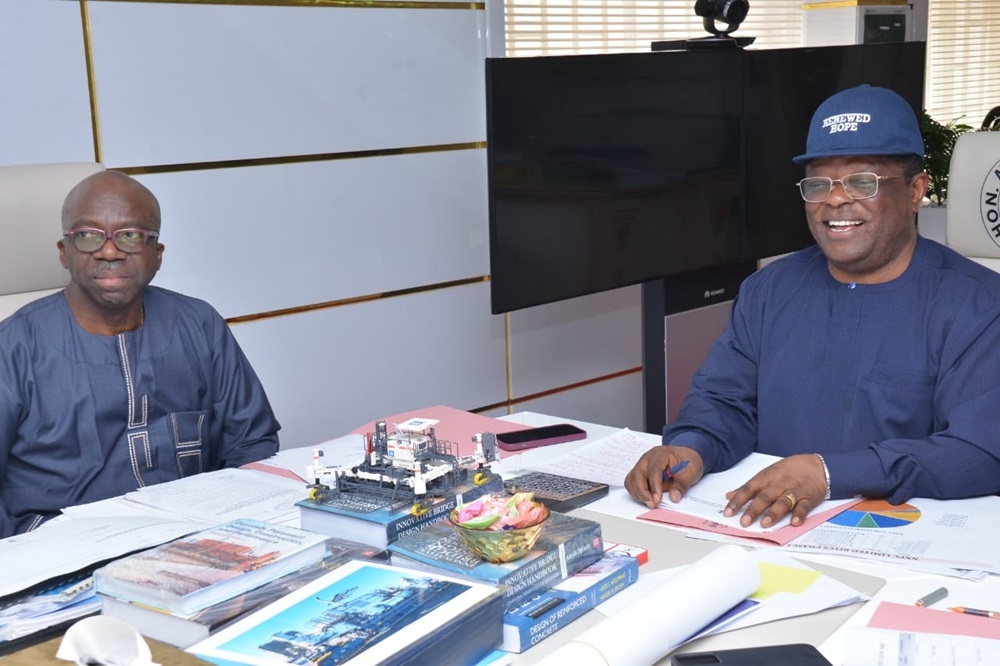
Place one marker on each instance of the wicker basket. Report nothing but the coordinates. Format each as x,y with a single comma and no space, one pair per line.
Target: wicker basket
500,545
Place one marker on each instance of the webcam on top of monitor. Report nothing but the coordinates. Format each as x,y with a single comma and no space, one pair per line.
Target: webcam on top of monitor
720,18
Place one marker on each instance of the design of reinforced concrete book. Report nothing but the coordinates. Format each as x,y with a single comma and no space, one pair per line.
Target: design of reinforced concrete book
540,617
367,613
207,567
559,493
565,546
369,519
185,630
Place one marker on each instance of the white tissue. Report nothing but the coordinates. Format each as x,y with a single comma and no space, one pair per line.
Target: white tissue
106,641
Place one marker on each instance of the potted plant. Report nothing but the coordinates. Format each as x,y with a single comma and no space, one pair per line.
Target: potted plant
939,142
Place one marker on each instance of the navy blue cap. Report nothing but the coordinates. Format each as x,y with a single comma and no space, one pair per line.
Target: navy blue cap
863,121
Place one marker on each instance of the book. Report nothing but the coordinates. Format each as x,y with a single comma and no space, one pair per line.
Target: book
638,552
367,613
559,493
565,546
371,520
210,566
552,609
183,630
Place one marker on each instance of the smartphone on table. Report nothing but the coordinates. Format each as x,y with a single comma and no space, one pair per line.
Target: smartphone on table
531,438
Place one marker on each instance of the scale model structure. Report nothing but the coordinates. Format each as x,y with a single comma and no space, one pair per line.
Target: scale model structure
411,465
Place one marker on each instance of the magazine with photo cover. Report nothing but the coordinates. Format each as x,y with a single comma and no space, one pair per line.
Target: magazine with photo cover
367,613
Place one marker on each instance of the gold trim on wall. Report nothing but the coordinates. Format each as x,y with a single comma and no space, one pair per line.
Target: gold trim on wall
366,4
88,56
296,159
510,403
299,309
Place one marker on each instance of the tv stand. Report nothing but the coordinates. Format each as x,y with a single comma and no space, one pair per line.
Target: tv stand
690,304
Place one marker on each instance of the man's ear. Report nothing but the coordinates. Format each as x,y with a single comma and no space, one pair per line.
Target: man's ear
62,253
918,188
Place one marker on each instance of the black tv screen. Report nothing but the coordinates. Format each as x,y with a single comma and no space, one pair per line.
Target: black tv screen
600,166
611,170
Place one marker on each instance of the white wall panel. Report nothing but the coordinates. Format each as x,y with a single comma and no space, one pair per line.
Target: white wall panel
329,371
616,402
44,99
258,239
576,340
193,83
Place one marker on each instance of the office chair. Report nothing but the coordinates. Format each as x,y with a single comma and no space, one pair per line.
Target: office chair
973,211
31,198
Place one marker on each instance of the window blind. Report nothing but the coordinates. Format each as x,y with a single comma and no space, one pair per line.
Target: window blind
569,27
963,60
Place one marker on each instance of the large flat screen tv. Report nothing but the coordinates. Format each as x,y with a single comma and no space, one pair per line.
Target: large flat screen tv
611,170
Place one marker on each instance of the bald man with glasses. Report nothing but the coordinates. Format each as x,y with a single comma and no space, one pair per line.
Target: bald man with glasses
870,362
113,384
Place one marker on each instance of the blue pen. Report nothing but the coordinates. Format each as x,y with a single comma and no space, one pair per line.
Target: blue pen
669,474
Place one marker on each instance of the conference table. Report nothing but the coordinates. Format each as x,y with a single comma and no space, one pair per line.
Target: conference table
670,547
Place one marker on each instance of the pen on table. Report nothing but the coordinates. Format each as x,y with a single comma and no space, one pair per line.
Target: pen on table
672,472
933,597
975,611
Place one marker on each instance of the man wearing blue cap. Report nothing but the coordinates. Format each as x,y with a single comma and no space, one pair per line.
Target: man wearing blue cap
870,362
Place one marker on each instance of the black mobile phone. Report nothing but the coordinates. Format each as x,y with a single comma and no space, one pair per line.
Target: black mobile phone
799,654
519,440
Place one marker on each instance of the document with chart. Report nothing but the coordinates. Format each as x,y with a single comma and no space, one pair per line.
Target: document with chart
923,534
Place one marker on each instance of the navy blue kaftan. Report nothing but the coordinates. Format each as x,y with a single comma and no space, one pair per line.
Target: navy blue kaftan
896,384
84,417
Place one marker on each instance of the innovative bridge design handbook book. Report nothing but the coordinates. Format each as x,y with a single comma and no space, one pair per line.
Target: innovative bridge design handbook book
565,546
207,567
371,520
367,613
184,630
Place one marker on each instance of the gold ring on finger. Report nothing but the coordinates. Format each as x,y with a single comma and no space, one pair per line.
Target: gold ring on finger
792,500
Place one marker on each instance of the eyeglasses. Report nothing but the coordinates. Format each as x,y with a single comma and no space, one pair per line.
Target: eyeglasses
817,189
132,241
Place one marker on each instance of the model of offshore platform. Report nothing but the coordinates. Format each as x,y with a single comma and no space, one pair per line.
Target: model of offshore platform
409,465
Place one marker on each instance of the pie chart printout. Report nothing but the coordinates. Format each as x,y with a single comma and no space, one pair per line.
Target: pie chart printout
877,514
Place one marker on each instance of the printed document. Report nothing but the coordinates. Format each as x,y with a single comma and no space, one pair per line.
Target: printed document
608,460
221,496
960,533
886,647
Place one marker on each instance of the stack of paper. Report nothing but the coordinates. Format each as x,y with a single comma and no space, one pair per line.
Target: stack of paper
48,608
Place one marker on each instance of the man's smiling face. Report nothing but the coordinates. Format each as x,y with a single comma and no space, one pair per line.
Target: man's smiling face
866,240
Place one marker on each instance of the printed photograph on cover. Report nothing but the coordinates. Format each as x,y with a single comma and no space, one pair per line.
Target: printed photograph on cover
346,618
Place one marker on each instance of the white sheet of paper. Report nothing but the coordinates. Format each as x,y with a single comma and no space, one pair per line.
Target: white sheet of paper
346,450
918,649
606,460
57,549
218,497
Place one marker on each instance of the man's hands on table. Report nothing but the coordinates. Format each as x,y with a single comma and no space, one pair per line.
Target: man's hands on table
796,485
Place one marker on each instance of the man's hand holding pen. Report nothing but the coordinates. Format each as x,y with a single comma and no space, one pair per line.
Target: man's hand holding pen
796,485
664,468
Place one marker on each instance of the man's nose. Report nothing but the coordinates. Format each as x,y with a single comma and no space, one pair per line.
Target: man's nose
108,249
